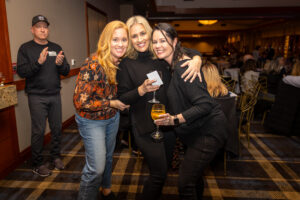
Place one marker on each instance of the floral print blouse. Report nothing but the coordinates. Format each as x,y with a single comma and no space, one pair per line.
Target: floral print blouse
93,92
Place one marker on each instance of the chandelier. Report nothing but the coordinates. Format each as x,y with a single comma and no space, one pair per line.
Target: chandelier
208,22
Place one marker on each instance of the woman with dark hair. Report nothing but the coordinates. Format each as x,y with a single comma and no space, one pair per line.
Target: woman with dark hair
136,89
198,119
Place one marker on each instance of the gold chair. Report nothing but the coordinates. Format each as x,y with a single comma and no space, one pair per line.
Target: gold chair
230,84
248,101
228,106
263,80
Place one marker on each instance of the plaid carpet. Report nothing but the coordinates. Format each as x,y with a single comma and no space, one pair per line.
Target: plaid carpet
268,169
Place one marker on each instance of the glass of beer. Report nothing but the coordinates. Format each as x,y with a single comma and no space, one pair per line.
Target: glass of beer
157,109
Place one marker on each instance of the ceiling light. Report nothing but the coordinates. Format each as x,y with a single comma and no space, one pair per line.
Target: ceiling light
208,22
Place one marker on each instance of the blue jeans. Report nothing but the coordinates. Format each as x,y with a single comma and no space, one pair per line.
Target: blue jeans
99,138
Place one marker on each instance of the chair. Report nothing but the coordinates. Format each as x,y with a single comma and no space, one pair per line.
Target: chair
284,117
265,96
228,106
230,84
248,101
263,80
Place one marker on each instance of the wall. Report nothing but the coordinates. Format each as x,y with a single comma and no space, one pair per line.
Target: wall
110,7
126,11
204,45
67,28
290,27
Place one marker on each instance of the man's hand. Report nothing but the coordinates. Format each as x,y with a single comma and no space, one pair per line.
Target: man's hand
59,58
43,56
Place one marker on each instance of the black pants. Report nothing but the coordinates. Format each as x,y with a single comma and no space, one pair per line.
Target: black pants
158,157
42,107
191,184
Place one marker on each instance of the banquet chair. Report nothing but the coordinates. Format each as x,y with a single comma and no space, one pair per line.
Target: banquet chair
230,84
247,104
268,98
263,80
228,106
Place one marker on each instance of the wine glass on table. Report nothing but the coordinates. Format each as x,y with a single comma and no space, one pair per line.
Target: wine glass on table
157,109
154,100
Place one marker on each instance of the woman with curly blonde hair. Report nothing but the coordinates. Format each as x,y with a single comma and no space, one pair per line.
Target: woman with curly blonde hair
215,86
97,110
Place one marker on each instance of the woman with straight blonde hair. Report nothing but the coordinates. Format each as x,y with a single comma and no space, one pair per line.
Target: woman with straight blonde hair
215,87
97,110
135,89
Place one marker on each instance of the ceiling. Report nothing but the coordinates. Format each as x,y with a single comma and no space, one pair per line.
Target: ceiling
227,3
232,14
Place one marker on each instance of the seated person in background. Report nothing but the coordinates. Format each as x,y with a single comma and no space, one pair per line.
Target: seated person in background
274,76
215,86
280,62
267,67
294,78
249,76
220,93
247,57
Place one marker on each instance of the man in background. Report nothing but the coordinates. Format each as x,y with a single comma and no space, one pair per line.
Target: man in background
41,63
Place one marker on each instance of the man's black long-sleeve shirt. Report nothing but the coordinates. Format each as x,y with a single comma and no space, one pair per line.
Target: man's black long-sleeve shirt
45,78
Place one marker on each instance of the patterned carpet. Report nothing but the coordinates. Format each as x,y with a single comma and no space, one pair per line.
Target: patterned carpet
269,169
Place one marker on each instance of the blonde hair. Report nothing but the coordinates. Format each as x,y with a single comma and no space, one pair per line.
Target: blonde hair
103,50
131,52
296,69
215,86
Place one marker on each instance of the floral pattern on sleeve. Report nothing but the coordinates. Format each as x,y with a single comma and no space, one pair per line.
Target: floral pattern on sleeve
93,92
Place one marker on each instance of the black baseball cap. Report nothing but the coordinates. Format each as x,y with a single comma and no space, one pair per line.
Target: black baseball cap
39,18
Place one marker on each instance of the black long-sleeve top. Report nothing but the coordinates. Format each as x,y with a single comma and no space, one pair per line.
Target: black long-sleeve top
130,76
40,79
196,105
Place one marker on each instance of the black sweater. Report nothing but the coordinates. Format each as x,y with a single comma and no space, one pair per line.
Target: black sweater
40,79
193,101
131,75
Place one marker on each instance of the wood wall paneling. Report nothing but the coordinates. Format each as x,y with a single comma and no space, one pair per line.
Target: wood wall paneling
9,146
5,61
